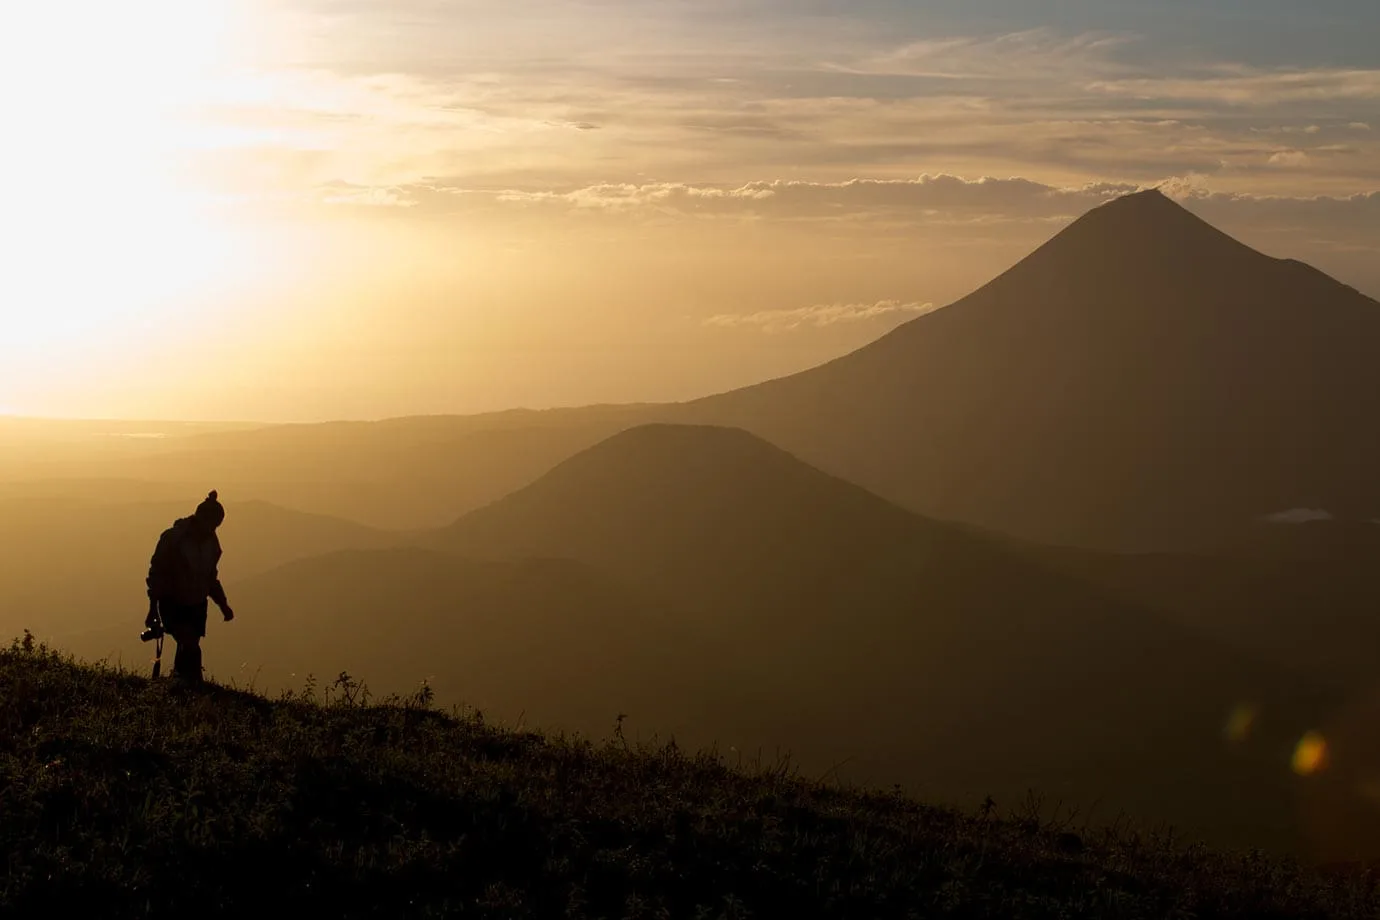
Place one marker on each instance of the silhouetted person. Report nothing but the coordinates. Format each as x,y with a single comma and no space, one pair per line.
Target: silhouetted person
182,575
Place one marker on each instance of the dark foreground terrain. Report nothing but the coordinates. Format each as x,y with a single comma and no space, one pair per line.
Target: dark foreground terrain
120,797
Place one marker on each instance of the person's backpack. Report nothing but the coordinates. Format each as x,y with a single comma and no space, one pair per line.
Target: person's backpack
167,558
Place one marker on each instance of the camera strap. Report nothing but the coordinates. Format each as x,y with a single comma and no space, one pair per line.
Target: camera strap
158,656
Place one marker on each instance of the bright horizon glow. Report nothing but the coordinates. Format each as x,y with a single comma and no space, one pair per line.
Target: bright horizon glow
108,235
305,210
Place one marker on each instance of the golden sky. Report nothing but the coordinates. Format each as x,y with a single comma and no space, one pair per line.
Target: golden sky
302,209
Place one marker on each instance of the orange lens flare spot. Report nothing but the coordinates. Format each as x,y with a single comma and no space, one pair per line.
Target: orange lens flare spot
1310,756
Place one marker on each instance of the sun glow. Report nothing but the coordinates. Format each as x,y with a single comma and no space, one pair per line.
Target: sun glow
105,225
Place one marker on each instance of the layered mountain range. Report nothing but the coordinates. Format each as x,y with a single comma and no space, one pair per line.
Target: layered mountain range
1041,538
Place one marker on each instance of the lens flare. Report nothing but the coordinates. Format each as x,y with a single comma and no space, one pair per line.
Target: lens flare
1310,756
1241,722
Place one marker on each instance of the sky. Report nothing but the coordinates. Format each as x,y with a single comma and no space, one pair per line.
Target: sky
305,209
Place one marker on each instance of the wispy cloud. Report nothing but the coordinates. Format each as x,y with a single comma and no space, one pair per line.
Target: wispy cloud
1239,86
344,193
1289,158
1040,51
929,200
818,316
626,196
933,198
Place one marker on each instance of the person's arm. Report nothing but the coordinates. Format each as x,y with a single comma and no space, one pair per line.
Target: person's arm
218,595
217,590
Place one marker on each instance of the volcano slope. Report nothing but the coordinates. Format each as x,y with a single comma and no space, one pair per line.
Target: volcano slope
1141,381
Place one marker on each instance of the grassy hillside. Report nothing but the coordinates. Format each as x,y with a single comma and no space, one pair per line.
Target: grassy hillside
552,639
136,798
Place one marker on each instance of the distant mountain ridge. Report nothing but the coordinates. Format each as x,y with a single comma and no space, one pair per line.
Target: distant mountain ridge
1142,381
828,603
639,501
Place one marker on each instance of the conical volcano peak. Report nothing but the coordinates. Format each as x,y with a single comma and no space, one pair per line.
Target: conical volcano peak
667,459
1148,212
1139,237
1145,198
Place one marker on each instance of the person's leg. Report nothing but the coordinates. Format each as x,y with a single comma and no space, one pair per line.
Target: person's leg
194,658
179,667
186,623
198,632
187,662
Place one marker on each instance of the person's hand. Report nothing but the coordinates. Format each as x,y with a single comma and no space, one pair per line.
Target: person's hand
227,613
152,619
